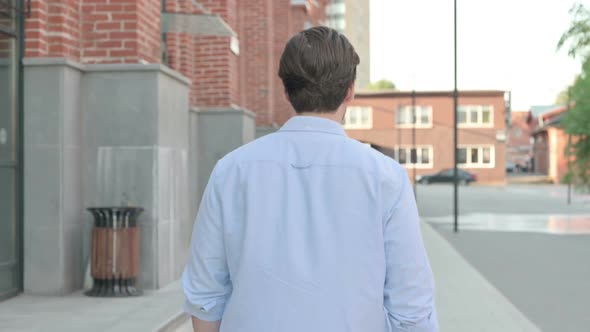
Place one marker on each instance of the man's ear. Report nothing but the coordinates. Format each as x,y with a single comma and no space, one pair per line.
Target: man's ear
350,93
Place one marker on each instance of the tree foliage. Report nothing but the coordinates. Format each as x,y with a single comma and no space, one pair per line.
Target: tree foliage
577,36
577,121
381,85
577,124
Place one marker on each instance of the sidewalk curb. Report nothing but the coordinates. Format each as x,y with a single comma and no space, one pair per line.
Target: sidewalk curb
173,323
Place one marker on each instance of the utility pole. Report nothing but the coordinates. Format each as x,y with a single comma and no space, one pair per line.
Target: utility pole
415,160
455,139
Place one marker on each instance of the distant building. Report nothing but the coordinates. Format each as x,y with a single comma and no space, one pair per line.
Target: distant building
519,145
549,141
352,17
385,121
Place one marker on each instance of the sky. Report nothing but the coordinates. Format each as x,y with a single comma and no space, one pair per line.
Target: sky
502,45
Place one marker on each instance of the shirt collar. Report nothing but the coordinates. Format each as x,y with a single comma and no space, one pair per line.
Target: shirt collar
313,124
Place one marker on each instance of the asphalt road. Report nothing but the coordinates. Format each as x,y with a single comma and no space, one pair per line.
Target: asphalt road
545,275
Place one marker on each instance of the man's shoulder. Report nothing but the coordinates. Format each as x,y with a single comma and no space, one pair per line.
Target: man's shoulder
381,162
253,150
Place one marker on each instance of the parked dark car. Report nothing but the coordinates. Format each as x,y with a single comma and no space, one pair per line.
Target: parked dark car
446,175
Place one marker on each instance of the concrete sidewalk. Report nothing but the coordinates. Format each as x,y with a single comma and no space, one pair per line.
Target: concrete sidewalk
466,302
156,311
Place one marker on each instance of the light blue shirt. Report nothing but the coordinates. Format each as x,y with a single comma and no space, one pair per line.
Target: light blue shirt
307,230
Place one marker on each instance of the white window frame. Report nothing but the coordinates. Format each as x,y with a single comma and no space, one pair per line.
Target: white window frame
479,109
409,114
479,163
359,110
419,165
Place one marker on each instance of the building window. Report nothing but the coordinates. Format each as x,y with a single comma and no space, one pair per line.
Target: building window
476,156
418,157
475,116
423,117
334,9
337,23
358,117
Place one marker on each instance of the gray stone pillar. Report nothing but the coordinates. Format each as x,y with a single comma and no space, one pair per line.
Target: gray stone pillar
53,207
103,135
136,133
215,133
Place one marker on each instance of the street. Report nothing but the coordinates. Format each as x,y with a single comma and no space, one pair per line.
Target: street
524,240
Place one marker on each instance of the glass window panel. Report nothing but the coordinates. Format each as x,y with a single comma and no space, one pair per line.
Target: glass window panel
353,116
365,116
413,156
462,155
474,116
425,158
486,116
474,155
402,156
462,116
487,155
424,117
402,116
7,98
8,230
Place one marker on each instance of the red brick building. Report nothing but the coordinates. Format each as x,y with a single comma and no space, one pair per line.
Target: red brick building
384,120
229,49
549,142
519,147
126,102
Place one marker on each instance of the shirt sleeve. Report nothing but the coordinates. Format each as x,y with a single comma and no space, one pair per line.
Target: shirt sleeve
205,281
409,283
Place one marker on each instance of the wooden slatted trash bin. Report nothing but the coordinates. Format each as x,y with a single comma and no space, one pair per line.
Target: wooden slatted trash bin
114,255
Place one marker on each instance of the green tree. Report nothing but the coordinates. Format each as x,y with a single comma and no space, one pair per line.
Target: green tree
577,37
577,121
562,98
381,85
577,124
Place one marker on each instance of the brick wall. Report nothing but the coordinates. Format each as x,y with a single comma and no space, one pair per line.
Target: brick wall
257,58
36,25
94,31
120,31
298,19
282,32
128,31
207,60
519,147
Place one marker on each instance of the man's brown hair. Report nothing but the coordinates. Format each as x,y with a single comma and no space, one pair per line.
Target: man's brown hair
317,67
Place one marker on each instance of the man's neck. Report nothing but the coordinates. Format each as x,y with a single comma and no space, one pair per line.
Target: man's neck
337,115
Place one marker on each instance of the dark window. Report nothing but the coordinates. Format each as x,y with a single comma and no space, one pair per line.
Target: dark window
474,155
462,155
402,156
413,156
